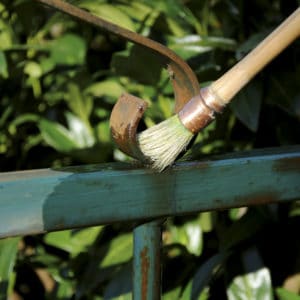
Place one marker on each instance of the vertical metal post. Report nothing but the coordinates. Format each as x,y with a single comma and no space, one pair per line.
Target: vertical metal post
146,261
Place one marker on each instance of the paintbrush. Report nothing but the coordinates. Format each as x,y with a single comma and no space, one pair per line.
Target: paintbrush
162,143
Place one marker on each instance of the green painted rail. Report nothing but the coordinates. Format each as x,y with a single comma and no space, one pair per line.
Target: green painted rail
46,200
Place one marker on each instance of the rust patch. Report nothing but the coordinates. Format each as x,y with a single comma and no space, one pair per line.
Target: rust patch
145,263
290,164
257,199
195,165
124,120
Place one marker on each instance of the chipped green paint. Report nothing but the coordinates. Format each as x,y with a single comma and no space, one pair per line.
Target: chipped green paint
48,200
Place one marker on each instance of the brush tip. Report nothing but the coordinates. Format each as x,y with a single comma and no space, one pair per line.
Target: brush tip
162,143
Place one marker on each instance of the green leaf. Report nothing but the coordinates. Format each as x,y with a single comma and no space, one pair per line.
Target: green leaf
206,222
24,118
284,294
254,281
69,49
190,235
57,136
80,131
139,11
175,11
33,69
247,103
8,253
187,293
121,244
191,45
103,131
110,88
71,241
6,35
237,213
80,105
6,113
141,65
172,294
3,65
254,285
109,12
295,209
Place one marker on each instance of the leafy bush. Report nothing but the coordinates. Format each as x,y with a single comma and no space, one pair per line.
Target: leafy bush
59,79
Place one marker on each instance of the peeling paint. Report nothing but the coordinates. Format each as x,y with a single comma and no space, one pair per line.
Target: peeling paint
145,263
257,198
290,164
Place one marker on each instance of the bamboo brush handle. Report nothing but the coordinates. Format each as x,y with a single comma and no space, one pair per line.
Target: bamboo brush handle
233,80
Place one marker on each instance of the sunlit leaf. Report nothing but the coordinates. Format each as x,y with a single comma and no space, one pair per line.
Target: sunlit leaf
254,285
206,222
139,11
284,294
103,131
57,136
109,88
69,49
237,213
3,65
172,294
80,132
109,12
33,69
191,45
121,244
8,252
80,105
190,235
6,35
73,242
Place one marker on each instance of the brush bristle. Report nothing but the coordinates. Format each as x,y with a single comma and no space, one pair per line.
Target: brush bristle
162,143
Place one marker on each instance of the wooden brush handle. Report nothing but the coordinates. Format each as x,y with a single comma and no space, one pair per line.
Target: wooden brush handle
233,80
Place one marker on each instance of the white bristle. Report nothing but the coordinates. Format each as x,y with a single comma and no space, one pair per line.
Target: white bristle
162,143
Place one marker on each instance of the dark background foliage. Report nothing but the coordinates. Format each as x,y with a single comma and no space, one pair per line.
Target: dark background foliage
59,79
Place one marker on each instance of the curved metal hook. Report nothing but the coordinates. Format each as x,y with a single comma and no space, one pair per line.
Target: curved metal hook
124,121
129,109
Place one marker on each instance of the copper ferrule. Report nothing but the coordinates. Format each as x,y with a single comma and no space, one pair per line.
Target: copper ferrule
200,111
212,100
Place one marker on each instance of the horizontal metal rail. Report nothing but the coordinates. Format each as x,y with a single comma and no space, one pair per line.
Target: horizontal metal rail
38,201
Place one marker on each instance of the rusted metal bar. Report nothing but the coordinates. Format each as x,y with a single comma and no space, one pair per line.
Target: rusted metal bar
125,122
147,261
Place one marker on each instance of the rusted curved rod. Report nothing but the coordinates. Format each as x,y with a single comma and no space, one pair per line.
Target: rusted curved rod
129,110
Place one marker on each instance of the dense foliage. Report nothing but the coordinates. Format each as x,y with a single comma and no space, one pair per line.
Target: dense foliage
59,79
